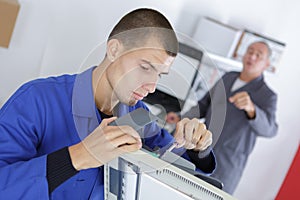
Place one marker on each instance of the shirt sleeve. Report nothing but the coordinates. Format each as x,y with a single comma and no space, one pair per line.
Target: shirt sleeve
264,124
24,179
204,161
22,169
59,168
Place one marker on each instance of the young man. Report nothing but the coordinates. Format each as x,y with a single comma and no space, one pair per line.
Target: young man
248,112
55,135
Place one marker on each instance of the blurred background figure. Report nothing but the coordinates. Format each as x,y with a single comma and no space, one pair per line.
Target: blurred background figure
250,112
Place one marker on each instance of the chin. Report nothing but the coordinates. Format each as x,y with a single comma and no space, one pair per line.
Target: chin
132,102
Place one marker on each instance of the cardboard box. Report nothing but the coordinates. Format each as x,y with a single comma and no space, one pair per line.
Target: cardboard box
9,10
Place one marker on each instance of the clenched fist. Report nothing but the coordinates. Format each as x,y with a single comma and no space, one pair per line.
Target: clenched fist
192,134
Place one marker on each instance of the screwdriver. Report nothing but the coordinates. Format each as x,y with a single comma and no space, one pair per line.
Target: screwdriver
175,144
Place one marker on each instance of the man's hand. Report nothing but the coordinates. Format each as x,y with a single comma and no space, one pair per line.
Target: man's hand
243,101
192,134
104,144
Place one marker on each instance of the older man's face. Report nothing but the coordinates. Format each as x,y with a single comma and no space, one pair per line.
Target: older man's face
256,59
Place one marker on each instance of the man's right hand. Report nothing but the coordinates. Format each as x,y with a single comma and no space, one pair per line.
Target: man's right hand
104,144
172,118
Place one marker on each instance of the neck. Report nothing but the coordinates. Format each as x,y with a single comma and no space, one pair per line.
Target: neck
103,92
248,77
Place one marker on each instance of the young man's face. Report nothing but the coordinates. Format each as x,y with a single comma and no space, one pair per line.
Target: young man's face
256,59
135,73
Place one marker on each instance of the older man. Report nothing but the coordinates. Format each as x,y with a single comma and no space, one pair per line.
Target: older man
240,107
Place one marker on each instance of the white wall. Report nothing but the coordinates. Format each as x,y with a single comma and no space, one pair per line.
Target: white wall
53,37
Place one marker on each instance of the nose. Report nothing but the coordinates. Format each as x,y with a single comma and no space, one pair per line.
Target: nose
150,84
150,87
253,56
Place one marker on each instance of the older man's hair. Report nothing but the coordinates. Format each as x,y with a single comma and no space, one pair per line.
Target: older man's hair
266,44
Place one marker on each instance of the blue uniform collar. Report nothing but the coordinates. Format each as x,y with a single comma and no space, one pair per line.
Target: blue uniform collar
84,110
83,102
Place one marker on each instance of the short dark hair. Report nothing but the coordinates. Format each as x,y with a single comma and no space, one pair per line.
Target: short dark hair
138,26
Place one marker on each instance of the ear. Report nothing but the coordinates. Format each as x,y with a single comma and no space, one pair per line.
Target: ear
113,49
267,64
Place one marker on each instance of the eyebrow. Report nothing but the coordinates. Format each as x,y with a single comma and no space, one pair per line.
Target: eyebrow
253,49
149,63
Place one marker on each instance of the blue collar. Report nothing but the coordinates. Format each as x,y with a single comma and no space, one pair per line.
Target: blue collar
85,114
83,102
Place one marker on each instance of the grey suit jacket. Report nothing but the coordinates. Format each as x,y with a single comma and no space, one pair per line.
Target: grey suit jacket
237,133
